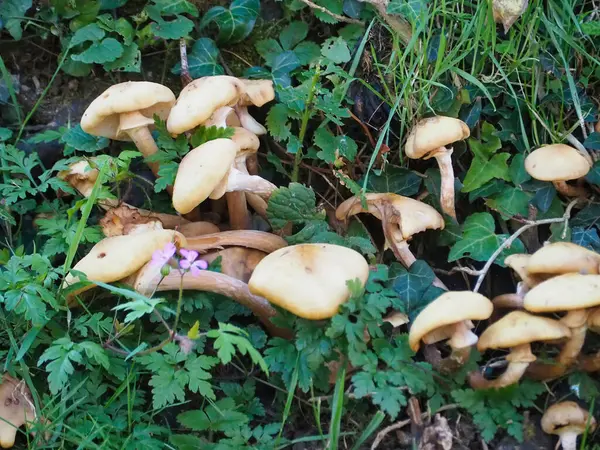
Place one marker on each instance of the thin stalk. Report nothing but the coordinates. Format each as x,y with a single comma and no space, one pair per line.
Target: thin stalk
304,124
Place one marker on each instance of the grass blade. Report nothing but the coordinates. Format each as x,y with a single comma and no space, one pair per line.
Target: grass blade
337,408
371,428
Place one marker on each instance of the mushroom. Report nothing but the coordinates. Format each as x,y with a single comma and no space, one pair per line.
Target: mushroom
563,257
517,330
518,263
591,363
401,218
125,112
258,240
195,229
81,176
428,139
257,93
16,409
309,280
449,317
575,294
223,117
124,219
202,171
115,258
567,420
558,163
149,280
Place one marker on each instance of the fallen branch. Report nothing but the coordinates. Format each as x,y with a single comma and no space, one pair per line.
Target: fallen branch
528,224
332,14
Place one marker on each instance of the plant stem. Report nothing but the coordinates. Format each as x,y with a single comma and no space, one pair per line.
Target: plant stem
304,124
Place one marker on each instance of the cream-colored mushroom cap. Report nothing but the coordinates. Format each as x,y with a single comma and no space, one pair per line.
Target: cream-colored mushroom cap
258,92
414,216
101,118
117,257
81,176
432,133
247,141
199,99
16,409
520,328
518,262
564,293
309,280
200,171
566,417
557,162
564,257
449,308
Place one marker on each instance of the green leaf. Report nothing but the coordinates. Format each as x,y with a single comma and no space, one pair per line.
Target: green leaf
586,237
518,174
202,60
510,202
336,50
591,28
278,122
107,50
410,9
80,140
172,29
479,240
138,308
293,34
482,171
220,416
11,13
307,52
335,6
95,352
234,24
410,284
397,180
333,147
5,134
284,63
129,61
91,32
228,338
295,204
593,175
203,134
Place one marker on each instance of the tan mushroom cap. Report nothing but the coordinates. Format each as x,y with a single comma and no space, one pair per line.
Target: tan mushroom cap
81,176
16,408
247,141
200,171
101,118
520,328
117,257
518,263
557,162
257,92
564,293
449,308
432,133
309,280
199,99
565,417
564,257
413,216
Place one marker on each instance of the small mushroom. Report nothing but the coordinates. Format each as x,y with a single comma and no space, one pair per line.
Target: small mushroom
558,163
572,293
516,331
428,139
16,409
81,176
401,218
563,257
115,258
125,112
518,263
309,280
449,317
258,240
567,420
257,93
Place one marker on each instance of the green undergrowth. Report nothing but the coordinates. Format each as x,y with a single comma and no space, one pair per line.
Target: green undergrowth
104,374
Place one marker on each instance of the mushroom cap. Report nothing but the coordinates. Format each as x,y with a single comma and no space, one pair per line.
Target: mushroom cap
520,328
413,216
199,99
593,320
257,92
101,118
117,257
557,162
81,176
309,280
193,229
223,117
430,134
566,417
125,219
564,257
200,171
448,309
564,293
247,141
15,408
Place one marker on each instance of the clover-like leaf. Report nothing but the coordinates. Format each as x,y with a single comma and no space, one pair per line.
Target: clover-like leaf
234,24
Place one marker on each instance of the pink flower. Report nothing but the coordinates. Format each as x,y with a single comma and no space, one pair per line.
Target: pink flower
162,257
198,266
191,263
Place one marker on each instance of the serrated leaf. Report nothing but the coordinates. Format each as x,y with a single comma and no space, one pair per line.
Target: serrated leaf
278,122
335,6
293,34
202,60
107,50
234,24
295,204
479,240
396,180
336,50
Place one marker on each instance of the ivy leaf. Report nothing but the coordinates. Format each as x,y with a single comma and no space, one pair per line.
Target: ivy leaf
411,284
107,50
293,34
482,171
234,24
586,237
593,175
518,174
544,197
284,63
353,8
479,241
268,49
202,60
395,179
11,12
336,50
510,202
587,217
410,9
593,141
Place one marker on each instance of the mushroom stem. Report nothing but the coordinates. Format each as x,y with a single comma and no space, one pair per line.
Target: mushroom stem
455,361
239,216
568,190
258,204
462,336
249,122
258,240
239,181
568,440
225,285
518,360
443,157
